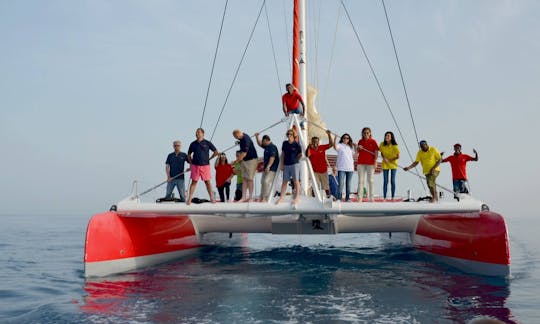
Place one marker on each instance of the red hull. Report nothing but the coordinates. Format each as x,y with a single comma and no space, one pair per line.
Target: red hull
480,238
112,238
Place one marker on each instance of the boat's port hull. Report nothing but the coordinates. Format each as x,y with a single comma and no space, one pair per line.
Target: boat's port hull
117,244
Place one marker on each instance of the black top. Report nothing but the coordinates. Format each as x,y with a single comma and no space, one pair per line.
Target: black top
176,164
290,152
246,146
200,152
269,151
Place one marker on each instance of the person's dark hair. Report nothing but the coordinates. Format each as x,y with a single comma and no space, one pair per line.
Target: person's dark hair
392,139
266,137
223,155
202,130
287,85
350,139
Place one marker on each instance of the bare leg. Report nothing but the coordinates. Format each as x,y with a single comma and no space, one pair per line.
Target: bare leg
297,193
250,188
191,190
434,194
209,189
244,190
283,192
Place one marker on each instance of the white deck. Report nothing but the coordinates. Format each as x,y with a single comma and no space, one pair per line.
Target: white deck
307,205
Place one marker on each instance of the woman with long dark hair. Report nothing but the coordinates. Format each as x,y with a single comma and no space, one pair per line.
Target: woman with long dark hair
390,154
345,164
224,174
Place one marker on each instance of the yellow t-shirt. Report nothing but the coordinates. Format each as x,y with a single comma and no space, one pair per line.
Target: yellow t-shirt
428,159
389,152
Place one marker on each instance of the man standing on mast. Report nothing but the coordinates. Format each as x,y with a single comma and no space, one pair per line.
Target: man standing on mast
291,100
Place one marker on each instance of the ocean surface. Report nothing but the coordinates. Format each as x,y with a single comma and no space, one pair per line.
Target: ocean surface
260,279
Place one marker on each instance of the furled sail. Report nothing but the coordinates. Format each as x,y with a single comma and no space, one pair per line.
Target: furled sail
316,126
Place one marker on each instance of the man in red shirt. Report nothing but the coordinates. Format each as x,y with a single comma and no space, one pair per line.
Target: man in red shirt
317,156
458,162
368,151
291,101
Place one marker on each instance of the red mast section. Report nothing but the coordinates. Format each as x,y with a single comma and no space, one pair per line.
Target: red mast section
296,47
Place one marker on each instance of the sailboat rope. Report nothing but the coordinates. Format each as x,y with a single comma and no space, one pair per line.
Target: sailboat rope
188,169
379,84
273,49
373,153
213,63
400,72
238,69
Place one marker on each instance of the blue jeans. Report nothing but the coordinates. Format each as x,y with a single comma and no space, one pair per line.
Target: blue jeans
298,112
392,182
179,184
344,179
460,186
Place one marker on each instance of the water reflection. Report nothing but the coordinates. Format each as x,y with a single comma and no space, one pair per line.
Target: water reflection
298,283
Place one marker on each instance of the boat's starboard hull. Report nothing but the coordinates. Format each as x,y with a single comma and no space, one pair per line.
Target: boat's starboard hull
476,242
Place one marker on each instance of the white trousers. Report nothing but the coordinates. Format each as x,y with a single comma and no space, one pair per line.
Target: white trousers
364,169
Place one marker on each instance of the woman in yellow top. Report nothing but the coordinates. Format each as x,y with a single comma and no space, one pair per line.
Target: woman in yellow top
390,154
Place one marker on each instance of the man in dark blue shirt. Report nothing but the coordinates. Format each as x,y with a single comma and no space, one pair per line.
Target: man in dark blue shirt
291,152
249,159
200,163
174,168
270,165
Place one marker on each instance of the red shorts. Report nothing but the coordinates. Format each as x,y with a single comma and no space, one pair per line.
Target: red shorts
201,171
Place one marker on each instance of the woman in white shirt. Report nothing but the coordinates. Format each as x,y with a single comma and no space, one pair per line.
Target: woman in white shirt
345,164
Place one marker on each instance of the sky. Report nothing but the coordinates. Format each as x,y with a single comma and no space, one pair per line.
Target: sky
92,93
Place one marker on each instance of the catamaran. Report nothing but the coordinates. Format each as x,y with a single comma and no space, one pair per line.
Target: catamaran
135,234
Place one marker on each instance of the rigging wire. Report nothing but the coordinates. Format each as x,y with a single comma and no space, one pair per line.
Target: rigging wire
379,85
238,69
287,34
414,173
332,52
400,71
273,50
214,62
189,169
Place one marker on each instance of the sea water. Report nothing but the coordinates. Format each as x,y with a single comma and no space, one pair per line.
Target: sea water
360,278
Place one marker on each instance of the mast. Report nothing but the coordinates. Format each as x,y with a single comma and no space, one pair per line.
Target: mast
299,72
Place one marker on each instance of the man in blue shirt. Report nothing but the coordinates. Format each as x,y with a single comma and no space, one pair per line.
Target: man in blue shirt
270,165
248,156
200,164
174,168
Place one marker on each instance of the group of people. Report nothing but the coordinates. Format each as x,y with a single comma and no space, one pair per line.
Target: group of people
244,166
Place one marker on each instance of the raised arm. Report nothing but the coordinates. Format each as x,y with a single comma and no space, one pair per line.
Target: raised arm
330,141
259,142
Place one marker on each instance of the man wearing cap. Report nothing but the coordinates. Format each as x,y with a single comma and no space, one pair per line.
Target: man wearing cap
458,162
430,158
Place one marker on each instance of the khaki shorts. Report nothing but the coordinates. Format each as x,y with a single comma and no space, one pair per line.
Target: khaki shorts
322,180
249,168
430,179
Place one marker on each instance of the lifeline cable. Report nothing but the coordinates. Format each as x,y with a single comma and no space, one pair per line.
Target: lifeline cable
227,149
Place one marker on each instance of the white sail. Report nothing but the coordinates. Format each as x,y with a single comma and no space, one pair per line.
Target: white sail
316,125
